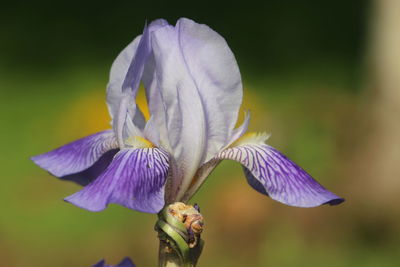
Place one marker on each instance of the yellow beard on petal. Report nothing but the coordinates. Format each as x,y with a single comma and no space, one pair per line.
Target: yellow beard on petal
138,142
251,138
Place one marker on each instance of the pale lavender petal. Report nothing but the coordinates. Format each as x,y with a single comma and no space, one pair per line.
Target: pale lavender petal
272,173
214,70
125,76
118,73
183,108
127,119
156,127
126,262
77,156
134,179
136,67
200,90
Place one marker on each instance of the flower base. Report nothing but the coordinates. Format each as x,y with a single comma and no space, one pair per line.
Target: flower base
179,228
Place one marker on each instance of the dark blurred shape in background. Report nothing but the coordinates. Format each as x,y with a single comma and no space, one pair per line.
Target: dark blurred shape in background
266,36
321,76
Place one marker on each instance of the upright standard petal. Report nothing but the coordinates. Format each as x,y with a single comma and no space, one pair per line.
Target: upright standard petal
125,76
183,109
136,67
200,88
270,172
134,179
118,72
77,156
214,70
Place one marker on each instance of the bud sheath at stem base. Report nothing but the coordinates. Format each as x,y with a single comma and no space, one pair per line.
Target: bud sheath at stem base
179,228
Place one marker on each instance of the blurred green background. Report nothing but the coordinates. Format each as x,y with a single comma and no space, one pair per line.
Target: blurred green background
319,75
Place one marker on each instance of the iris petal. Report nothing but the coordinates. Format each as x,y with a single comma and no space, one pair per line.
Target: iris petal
200,90
118,73
87,176
126,73
214,70
77,156
136,67
270,172
126,262
134,179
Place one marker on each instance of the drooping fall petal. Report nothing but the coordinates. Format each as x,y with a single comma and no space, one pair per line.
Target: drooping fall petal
77,156
270,172
87,176
134,179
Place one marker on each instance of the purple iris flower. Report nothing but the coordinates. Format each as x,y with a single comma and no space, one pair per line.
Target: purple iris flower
194,92
126,262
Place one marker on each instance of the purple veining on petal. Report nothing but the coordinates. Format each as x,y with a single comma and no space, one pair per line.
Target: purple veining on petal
134,179
270,172
126,262
77,156
87,176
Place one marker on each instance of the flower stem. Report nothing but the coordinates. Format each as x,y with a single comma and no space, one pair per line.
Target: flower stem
179,228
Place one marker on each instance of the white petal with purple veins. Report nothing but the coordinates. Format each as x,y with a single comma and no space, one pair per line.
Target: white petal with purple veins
134,179
78,155
272,173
